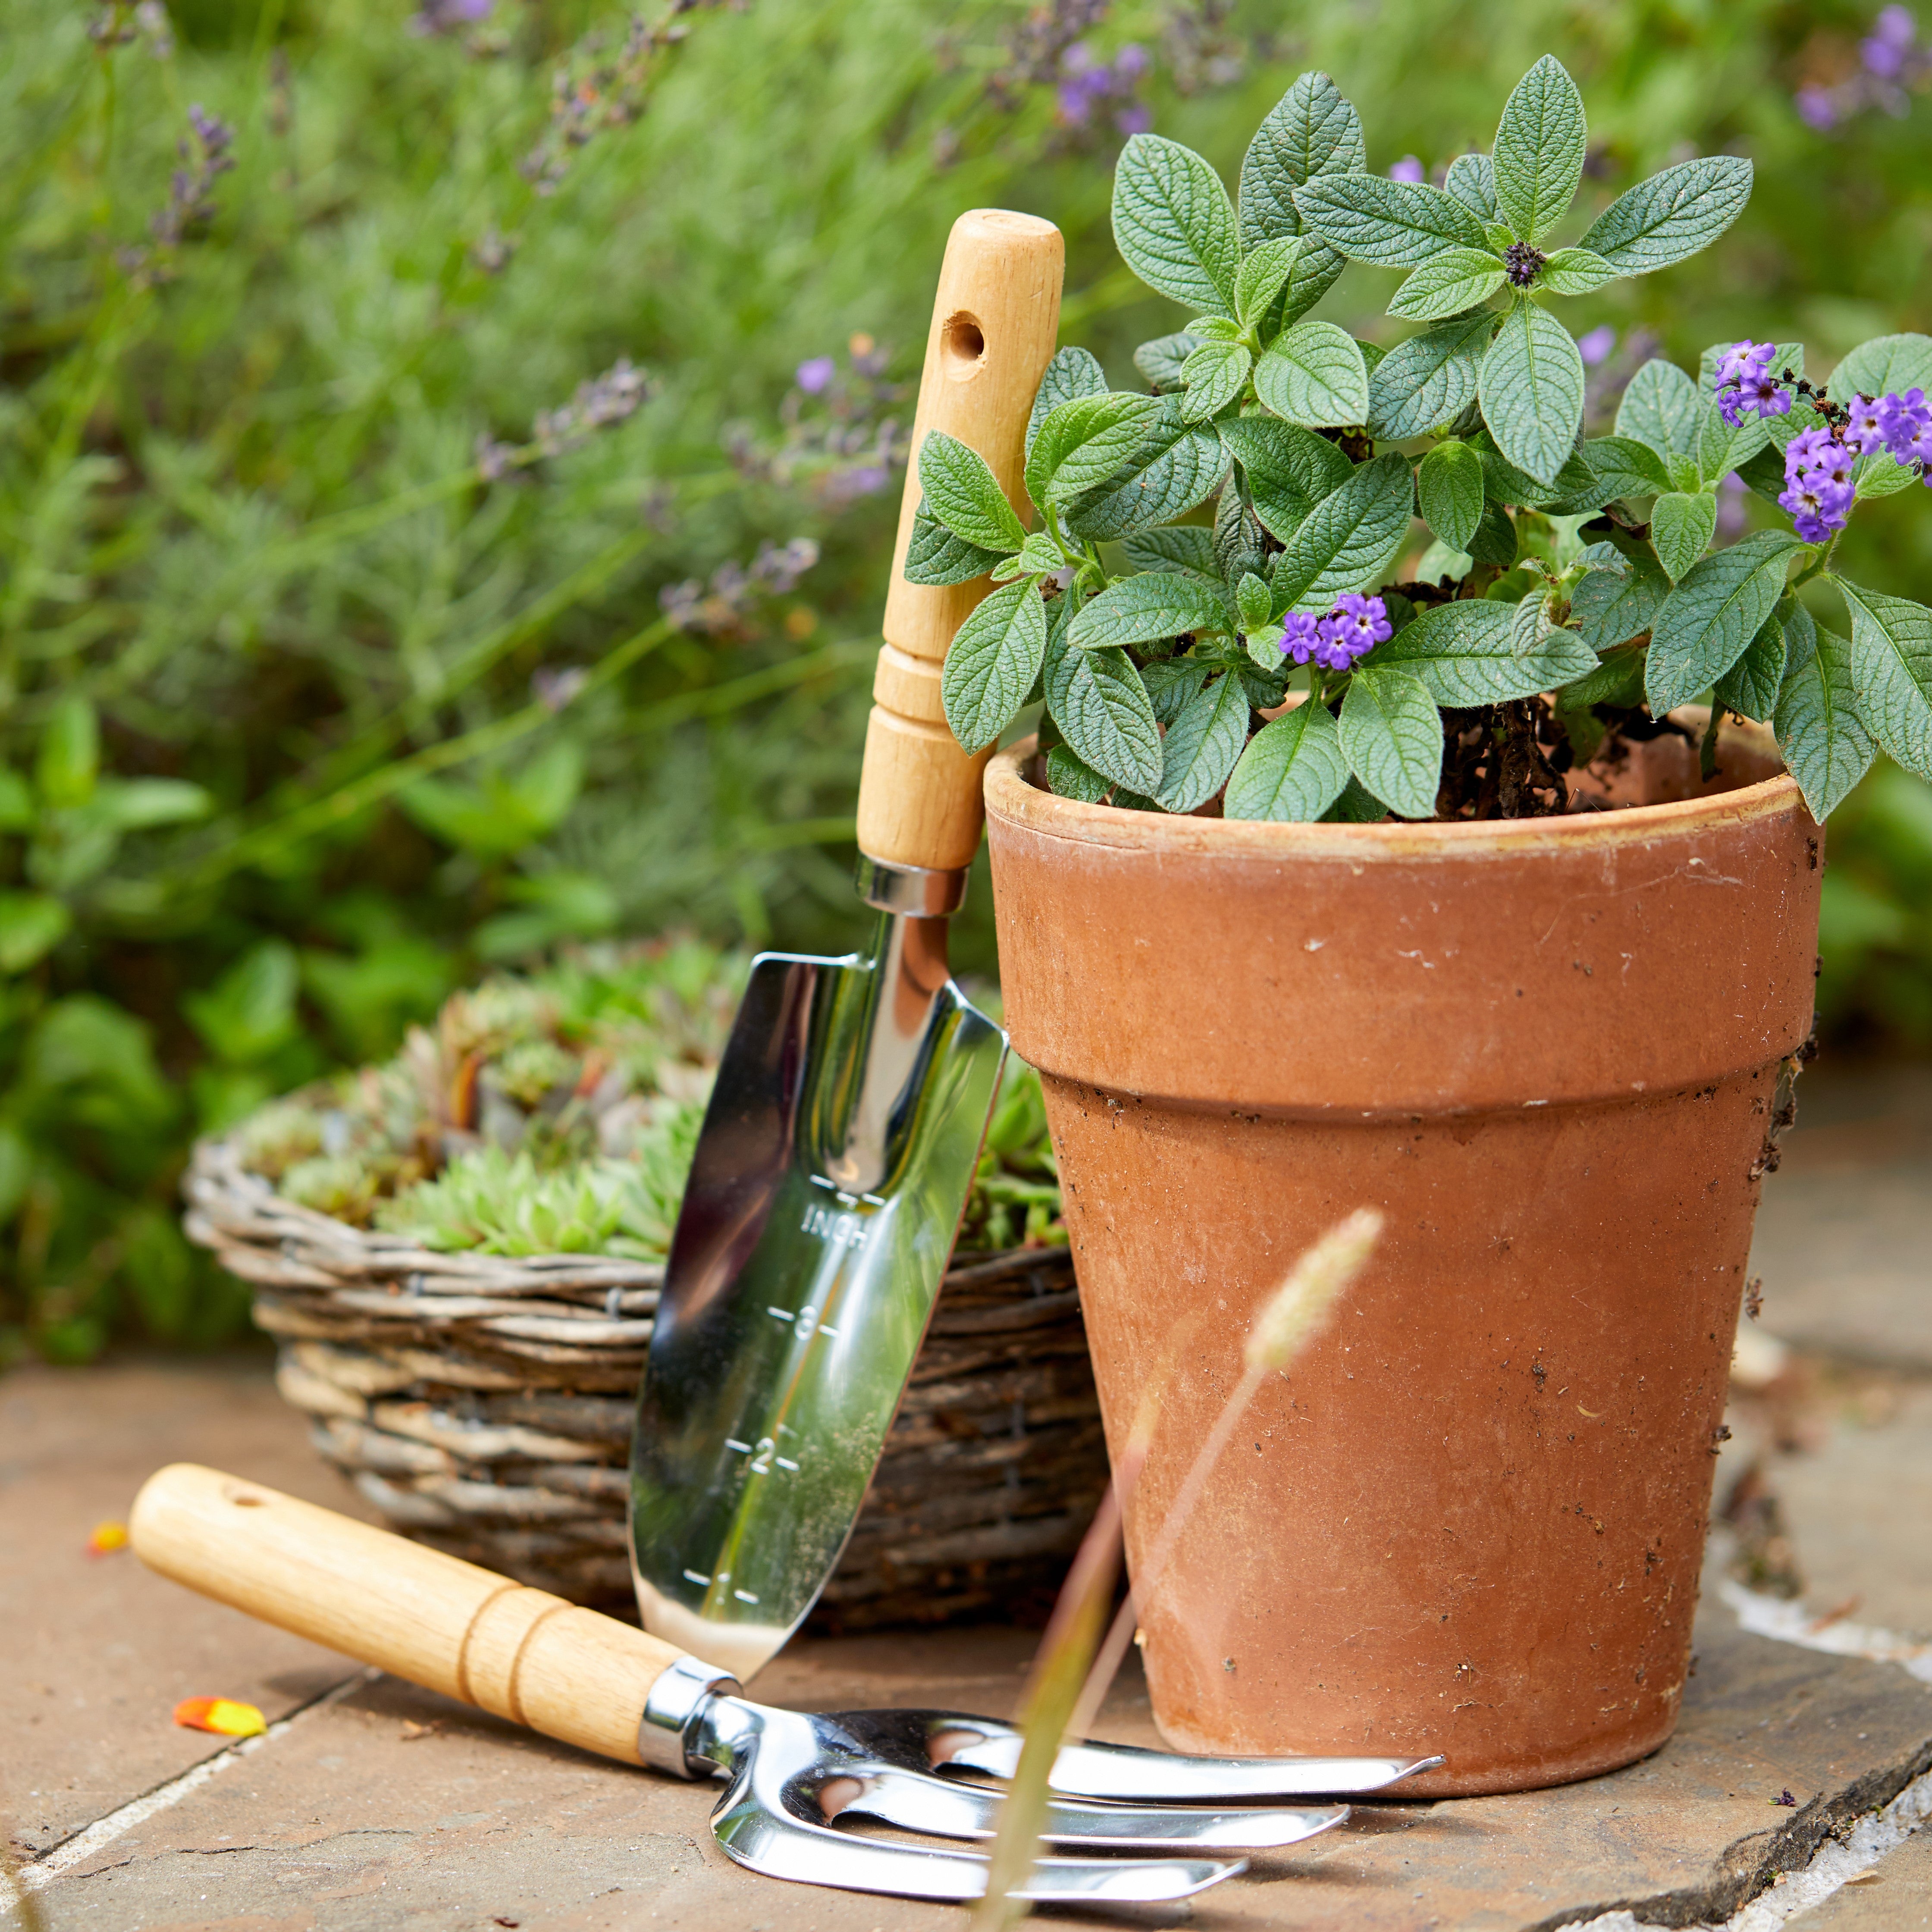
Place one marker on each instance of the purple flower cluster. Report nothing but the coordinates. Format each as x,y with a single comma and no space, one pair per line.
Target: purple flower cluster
1890,60
1748,385
1351,630
727,606
1088,84
1819,464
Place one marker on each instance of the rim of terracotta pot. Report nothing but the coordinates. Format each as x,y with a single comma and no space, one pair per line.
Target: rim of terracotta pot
1011,795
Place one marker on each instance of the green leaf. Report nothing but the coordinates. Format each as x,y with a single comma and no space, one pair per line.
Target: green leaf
70,754
1540,143
1349,539
1082,443
1215,328
1067,777
1709,619
1313,373
1104,713
1886,365
1661,409
250,1011
1673,214
1174,225
935,556
1177,465
1467,655
1472,180
1880,474
991,663
1391,736
16,801
31,924
1202,744
1618,681
1160,360
963,493
1449,488
1179,547
1447,284
1507,484
1310,130
1255,600
1240,541
1317,269
1824,744
1263,273
1750,686
1613,605
1292,771
1040,556
134,805
1495,539
1393,224
1214,375
1891,673
1072,373
1430,379
1626,467
1575,271
1532,391
1149,608
1681,527
1289,469
1171,682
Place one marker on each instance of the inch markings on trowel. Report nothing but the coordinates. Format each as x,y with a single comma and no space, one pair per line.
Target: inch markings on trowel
692,1576
744,1596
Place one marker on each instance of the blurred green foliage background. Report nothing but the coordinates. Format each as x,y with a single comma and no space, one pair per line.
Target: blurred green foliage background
444,507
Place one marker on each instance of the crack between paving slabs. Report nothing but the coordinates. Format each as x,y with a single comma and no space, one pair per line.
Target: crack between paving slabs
58,1860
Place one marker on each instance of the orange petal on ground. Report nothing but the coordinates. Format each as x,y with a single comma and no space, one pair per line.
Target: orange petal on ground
224,1716
107,1537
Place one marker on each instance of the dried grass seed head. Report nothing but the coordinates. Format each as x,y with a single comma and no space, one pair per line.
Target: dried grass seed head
1302,1305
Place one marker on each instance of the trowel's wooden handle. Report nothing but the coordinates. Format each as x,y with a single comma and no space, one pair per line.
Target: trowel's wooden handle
438,1621
994,324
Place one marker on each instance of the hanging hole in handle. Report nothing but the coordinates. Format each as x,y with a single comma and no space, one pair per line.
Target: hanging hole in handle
965,347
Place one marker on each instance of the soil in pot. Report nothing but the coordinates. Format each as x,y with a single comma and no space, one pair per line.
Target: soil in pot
1555,1053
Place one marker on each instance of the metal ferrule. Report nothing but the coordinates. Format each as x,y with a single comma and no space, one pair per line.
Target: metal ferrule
918,890
674,1713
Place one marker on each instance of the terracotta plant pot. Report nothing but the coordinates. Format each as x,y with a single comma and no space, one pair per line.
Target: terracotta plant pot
1554,1052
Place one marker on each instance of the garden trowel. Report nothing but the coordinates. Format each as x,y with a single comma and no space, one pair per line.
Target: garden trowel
845,1124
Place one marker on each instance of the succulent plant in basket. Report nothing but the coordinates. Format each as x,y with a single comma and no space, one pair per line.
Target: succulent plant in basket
1373,852
1570,600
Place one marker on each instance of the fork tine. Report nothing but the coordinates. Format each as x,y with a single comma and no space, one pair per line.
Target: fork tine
782,1845
917,1801
1129,1773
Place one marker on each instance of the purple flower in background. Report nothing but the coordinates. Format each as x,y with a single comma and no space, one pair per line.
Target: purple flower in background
1087,82
1596,346
1135,120
1301,634
1731,517
1351,630
814,376
1408,168
1816,108
1885,52
1132,61
445,16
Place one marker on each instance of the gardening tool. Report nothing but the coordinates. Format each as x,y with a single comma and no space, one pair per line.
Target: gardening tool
605,1687
845,1124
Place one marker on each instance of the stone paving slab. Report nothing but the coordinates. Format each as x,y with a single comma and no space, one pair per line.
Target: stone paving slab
1894,1897
361,1817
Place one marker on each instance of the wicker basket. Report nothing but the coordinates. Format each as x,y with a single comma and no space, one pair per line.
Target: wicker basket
483,1404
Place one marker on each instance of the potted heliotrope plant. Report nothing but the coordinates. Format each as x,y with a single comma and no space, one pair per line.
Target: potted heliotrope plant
1469,871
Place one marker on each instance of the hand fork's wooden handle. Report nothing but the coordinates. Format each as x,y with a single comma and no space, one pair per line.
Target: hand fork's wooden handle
433,1619
994,321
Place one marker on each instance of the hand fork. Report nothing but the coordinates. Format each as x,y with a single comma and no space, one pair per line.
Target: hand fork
607,1686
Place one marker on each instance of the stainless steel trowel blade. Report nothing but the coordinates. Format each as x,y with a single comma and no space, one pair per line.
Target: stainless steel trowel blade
834,1165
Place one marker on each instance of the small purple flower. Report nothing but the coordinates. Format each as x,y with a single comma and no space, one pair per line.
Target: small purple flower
1132,61
1408,168
1135,120
1901,420
1818,485
1351,630
1866,428
1747,385
1815,108
1301,635
1597,345
815,375
1886,52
